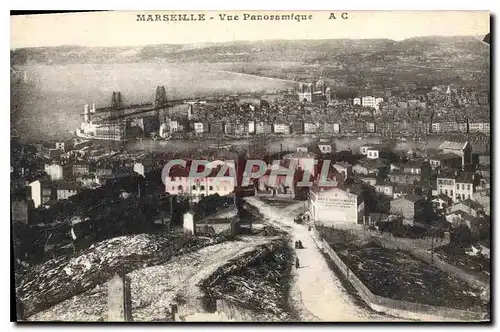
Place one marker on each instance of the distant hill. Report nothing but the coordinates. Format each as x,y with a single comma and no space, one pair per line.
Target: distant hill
307,51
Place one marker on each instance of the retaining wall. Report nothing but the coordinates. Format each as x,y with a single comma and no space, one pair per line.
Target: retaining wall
409,310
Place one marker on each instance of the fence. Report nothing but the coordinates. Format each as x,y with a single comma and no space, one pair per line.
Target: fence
232,312
398,308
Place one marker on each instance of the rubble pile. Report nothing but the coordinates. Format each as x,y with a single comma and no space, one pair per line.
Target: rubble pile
258,281
47,284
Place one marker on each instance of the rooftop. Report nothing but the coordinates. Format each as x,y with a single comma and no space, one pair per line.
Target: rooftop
471,204
452,145
465,178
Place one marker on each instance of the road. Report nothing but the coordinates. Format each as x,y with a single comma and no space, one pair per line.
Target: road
316,290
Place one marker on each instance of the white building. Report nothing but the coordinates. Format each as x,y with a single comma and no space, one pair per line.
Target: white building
281,128
54,171
464,187
60,146
36,193
174,126
189,226
463,150
336,128
356,101
325,147
251,127
179,183
335,206
198,127
372,153
310,128
446,185
370,101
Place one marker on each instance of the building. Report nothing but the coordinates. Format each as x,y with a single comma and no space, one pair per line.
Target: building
484,159
303,160
409,207
198,127
386,189
356,101
370,101
189,224
459,218
179,183
483,197
343,168
482,127
441,202
20,206
468,206
54,171
445,160
369,166
302,148
325,147
49,150
415,167
60,146
281,128
463,150
40,192
310,128
370,180
306,92
333,206
66,189
404,178
446,184
280,185
364,149
298,127
372,153
456,186
464,183
80,168
403,190
263,128
251,127
370,127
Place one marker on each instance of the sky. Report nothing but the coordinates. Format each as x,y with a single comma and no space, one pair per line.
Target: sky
122,28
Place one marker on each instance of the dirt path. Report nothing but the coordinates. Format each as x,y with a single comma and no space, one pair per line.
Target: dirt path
155,288
317,291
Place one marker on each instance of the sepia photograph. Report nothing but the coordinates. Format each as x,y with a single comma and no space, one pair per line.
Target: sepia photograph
250,166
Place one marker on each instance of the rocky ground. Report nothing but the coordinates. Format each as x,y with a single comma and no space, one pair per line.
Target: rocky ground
154,288
56,280
257,282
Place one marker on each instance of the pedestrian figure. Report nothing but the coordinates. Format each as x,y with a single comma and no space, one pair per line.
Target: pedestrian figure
297,264
309,228
300,245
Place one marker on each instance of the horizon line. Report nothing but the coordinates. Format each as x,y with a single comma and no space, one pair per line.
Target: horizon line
249,40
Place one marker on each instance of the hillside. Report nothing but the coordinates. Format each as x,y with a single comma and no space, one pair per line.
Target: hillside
307,51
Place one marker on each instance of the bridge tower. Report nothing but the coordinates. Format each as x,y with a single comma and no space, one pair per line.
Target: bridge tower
160,101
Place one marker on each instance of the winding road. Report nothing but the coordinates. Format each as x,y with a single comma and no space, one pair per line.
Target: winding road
317,293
